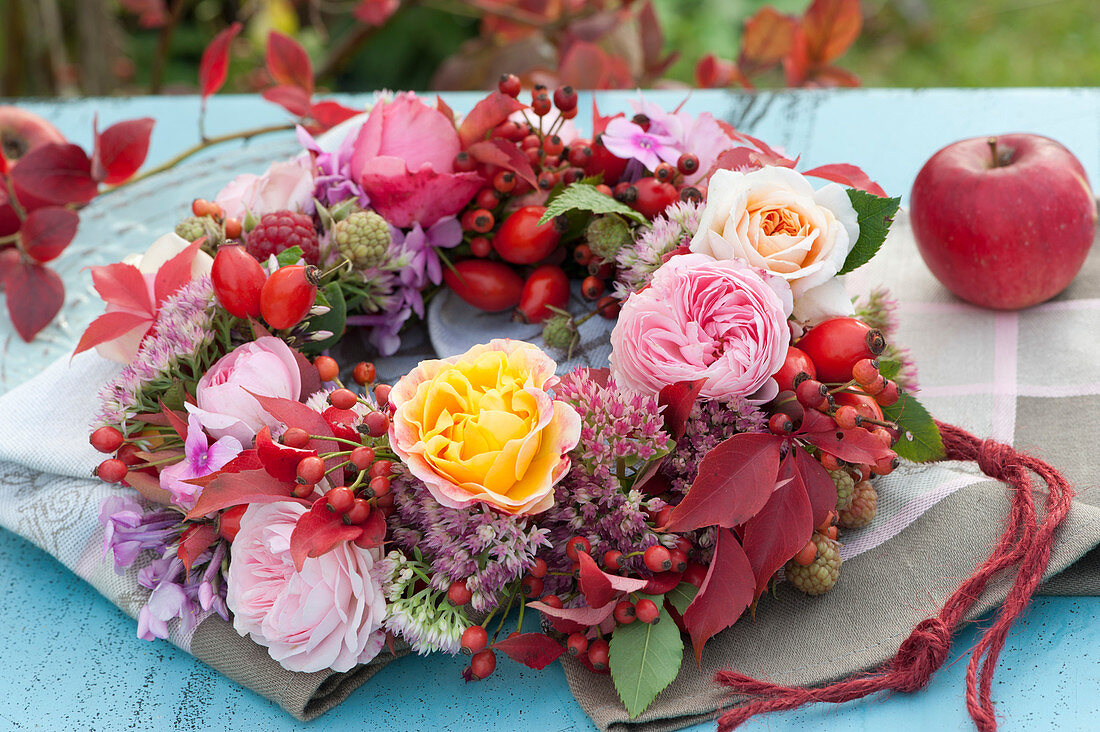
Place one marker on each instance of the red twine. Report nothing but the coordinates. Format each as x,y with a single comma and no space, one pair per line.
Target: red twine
1025,543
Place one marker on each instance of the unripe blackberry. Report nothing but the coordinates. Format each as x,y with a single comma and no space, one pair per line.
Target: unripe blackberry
817,577
863,508
364,238
560,332
845,484
606,235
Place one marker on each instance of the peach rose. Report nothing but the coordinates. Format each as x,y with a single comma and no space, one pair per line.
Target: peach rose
773,218
482,427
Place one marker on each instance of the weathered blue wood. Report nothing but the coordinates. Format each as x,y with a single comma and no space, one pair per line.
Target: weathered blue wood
70,660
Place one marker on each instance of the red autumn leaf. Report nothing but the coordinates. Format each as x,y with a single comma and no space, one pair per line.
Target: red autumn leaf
847,175
662,582
831,27
123,285
796,64
35,294
174,420
214,66
375,12
47,231
288,63
677,400
486,114
374,530
121,149
724,594
444,108
781,528
587,66
296,414
712,72
175,273
319,531
233,489
820,488
505,155
291,98
56,173
854,446
194,541
735,480
594,585
149,487
280,461
108,327
599,122
307,372
329,114
571,619
534,650
245,460
833,76
767,38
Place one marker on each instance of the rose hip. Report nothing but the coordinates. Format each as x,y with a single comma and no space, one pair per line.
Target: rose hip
547,287
485,284
106,439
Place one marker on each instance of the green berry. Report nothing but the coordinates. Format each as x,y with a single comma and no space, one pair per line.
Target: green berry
606,235
363,238
862,509
820,575
193,227
560,332
845,484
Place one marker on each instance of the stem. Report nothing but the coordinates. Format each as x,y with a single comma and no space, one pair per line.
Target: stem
164,46
14,199
195,149
992,142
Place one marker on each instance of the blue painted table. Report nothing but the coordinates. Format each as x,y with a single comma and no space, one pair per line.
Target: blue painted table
71,659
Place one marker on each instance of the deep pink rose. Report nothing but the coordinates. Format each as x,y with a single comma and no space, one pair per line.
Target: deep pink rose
329,615
404,160
721,321
265,366
285,186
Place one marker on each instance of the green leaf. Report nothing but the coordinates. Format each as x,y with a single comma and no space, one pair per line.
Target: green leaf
585,197
289,256
645,658
681,596
889,368
875,214
174,396
334,320
920,439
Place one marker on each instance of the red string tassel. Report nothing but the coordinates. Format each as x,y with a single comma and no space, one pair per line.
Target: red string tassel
1025,543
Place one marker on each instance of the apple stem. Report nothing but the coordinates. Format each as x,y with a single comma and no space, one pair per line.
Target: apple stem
993,150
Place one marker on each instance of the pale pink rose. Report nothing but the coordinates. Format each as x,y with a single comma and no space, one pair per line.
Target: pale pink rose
404,160
285,186
700,318
266,367
125,347
329,615
481,427
773,219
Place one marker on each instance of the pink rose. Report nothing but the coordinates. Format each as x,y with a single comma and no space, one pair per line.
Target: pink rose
404,160
265,366
286,186
721,321
329,615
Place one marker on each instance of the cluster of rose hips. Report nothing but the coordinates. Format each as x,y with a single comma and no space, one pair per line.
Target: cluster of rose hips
517,262
833,369
284,298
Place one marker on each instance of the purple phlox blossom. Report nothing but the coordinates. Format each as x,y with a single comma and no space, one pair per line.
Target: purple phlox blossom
332,170
627,140
384,327
420,245
700,135
129,529
166,602
200,459
179,593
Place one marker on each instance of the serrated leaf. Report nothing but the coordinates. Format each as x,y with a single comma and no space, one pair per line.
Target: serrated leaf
289,256
681,596
645,658
585,197
920,440
875,214
889,368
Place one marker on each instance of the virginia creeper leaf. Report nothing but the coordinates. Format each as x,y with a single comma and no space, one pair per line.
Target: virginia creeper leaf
781,528
57,173
232,489
194,541
486,114
820,488
724,594
534,650
831,27
319,531
293,99
214,65
121,149
47,231
847,175
35,294
288,63
175,273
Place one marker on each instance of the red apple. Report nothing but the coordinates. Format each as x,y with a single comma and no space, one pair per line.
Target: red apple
1003,222
22,131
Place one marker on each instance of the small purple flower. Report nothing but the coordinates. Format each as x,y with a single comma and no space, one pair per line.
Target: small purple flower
627,140
420,246
167,601
332,171
200,458
129,529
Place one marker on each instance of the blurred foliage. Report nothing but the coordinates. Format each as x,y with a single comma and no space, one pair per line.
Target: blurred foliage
69,47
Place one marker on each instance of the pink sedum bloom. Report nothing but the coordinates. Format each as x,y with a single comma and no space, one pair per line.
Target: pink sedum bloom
329,615
225,407
700,318
200,458
404,161
285,186
481,427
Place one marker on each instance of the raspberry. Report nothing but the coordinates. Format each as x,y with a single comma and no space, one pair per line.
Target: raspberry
845,485
863,508
606,235
561,333
364,238
283,230
820,575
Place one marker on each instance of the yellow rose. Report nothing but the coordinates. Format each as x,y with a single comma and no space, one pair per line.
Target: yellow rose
482,427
